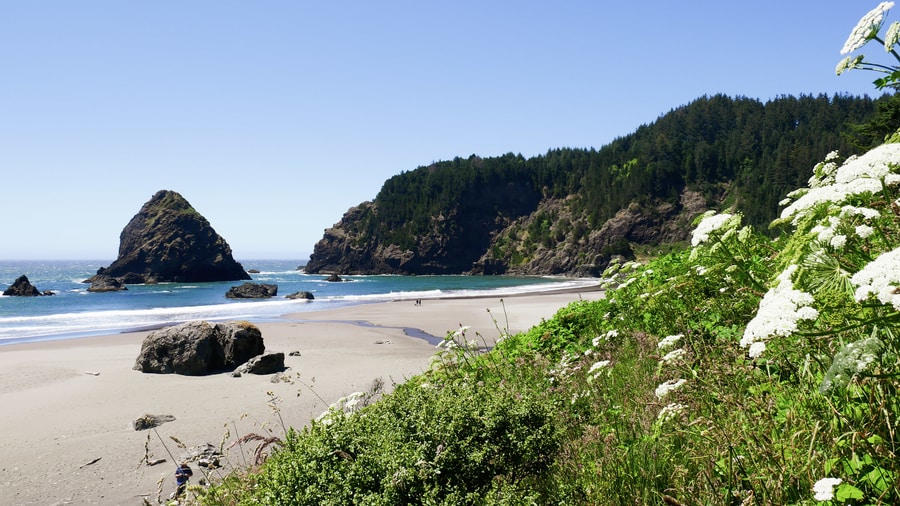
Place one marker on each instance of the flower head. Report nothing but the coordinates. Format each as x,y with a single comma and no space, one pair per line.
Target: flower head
673,355
779,311
669,386
867,28
857,175
709,223
824,488
881,278
848,63
669,341
669,412
892,36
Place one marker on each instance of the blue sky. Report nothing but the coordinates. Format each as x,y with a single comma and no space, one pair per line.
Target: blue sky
273,118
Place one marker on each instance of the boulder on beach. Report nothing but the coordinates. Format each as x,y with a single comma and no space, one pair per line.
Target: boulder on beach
199,347
252,291
303,294
267,363
169,241
21,287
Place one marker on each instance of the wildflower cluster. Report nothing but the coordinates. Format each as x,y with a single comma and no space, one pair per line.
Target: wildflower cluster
866,30
869,173
880,278
779,313
824,488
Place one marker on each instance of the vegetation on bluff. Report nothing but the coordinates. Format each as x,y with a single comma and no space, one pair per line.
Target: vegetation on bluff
742,369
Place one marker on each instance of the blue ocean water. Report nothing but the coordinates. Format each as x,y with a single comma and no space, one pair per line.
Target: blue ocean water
74,312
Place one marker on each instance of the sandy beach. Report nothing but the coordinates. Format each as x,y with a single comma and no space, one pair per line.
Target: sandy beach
66,434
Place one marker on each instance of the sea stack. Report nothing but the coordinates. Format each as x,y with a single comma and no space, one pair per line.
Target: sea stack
169,241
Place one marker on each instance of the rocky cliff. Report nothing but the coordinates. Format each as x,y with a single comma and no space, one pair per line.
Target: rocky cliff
554,239
168,240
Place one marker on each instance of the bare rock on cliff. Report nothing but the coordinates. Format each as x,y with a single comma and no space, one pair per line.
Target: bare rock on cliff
168,240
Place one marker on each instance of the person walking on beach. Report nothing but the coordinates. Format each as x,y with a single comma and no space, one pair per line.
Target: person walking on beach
183,473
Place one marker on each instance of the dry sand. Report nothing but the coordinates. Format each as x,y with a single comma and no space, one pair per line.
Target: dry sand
66,433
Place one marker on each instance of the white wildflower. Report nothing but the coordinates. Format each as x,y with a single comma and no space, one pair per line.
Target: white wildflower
848,63
700,270
892,36
824,488
709,223
448,344
669,412
673,356
825,231
723,289
779,311
461,331
669,341
866,28
866,212
880,277
864,231
597,369
609,335
838,241
858,175
669,386
599,365
756,349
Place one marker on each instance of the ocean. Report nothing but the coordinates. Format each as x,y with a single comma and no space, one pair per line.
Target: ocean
74,312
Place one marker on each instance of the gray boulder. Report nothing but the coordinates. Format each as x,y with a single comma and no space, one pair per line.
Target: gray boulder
267,363
301,295
199,347
252,291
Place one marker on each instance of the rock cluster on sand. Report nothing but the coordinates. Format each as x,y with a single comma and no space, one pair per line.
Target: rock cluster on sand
21,287
169,241
199,347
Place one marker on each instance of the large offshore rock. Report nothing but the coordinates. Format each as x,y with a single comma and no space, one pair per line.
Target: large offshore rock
168,240
199,347
21,287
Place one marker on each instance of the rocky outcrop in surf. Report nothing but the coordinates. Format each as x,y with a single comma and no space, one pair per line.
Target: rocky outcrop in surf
169,241
21,287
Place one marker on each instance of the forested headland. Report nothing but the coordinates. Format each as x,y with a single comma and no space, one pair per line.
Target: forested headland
569,210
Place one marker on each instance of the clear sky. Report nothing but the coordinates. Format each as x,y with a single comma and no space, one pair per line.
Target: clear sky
274,117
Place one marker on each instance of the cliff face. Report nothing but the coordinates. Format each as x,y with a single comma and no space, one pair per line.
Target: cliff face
168,240
554,239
